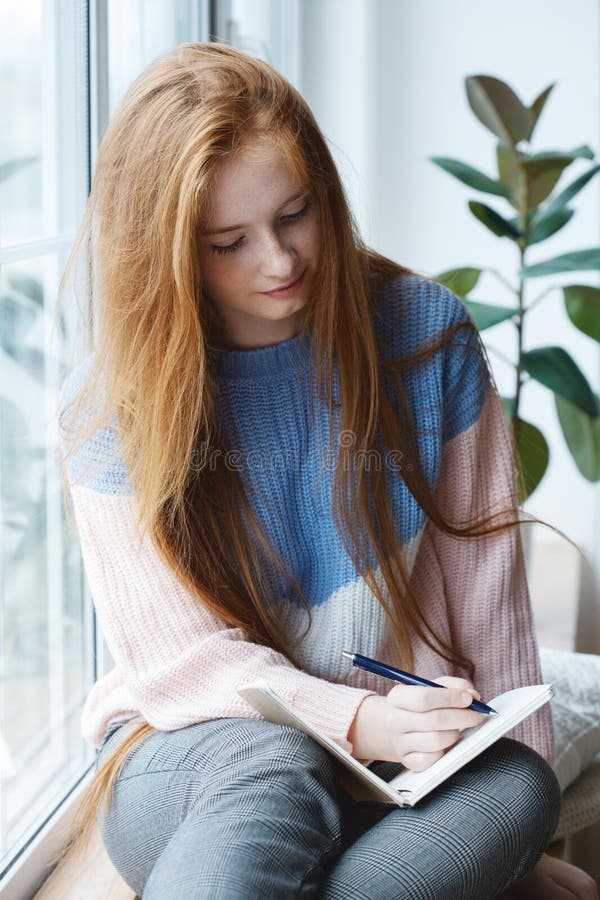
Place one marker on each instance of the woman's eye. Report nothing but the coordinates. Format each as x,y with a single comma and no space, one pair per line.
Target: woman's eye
285,220
293,217
228,248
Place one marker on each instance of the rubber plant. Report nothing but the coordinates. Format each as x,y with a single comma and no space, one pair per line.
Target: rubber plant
527,180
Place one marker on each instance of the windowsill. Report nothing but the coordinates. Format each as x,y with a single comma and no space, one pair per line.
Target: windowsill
91,868
33,866
29,871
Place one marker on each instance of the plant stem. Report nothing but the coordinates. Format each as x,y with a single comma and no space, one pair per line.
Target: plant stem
519,324
523,244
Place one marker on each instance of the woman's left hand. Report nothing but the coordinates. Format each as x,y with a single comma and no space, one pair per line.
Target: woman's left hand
554,879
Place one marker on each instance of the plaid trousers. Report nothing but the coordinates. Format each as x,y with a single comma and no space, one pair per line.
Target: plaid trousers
243,808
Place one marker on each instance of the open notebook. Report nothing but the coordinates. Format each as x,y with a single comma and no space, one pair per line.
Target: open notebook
408,787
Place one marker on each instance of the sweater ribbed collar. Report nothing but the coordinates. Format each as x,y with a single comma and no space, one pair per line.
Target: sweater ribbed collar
272,361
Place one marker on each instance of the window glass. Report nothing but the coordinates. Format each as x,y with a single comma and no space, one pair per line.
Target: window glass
139,31
47,632
43,85
46,627
264,28
20,135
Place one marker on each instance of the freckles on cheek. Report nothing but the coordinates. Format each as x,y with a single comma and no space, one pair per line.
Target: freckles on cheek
214,269
222,277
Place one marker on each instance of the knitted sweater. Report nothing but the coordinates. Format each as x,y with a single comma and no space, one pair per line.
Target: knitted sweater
176,663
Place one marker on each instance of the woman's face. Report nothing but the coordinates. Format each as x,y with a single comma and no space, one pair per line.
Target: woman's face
262,234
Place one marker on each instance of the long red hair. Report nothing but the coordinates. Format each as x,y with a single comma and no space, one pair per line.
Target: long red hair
153,329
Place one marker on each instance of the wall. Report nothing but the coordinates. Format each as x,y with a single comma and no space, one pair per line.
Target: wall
386,82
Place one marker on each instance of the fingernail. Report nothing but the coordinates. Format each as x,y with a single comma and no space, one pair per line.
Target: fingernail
466,698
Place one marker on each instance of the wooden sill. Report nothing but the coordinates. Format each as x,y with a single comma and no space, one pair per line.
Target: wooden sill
89,874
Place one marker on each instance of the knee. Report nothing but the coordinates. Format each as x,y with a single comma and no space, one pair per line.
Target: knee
267,824
269,750
536,792
276,766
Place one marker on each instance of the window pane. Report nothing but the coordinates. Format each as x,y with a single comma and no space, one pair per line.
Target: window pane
139,31
20,135
46,619
43,160
264,28
46,628
47,633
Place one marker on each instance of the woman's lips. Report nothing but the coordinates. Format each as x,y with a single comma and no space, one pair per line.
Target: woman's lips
287,290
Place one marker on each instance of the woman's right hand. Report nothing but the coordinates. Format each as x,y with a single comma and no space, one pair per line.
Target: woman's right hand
414,725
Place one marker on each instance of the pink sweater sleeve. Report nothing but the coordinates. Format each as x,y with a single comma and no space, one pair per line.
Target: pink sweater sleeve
483,581
176,662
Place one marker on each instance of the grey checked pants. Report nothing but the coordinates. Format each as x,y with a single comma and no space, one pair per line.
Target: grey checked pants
242,808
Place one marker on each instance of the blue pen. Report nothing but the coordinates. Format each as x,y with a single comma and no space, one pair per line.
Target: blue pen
378,668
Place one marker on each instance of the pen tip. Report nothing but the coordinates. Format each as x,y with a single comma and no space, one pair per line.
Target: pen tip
348,655
494,711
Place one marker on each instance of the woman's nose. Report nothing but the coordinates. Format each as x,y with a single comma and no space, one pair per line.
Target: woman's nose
277,257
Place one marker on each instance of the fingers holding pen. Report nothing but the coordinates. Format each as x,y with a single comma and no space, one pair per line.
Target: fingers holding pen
432,709
419,749
418,761
414,724
439,720
421,699
464,684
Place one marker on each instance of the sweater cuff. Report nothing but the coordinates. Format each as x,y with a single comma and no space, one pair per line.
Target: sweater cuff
331,708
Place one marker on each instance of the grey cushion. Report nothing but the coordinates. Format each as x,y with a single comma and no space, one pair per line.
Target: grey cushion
575,709
576,714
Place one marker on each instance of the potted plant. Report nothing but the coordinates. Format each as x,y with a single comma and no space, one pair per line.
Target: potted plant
526,181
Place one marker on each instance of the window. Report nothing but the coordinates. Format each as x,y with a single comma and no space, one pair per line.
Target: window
140,30
268,29
47,628
63,68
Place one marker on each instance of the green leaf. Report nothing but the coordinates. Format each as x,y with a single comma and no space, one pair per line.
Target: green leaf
13,166
582,303
577,260
470,176
582,434
498,108
549,224
584,151
510,172
515,221
530,179
542,173
537,106
460,281
555,369
570,191
485,315
493,220
533,454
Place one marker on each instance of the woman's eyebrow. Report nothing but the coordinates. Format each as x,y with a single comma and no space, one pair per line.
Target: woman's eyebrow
235,227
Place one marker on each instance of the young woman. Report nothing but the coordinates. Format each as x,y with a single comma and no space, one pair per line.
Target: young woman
283,446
